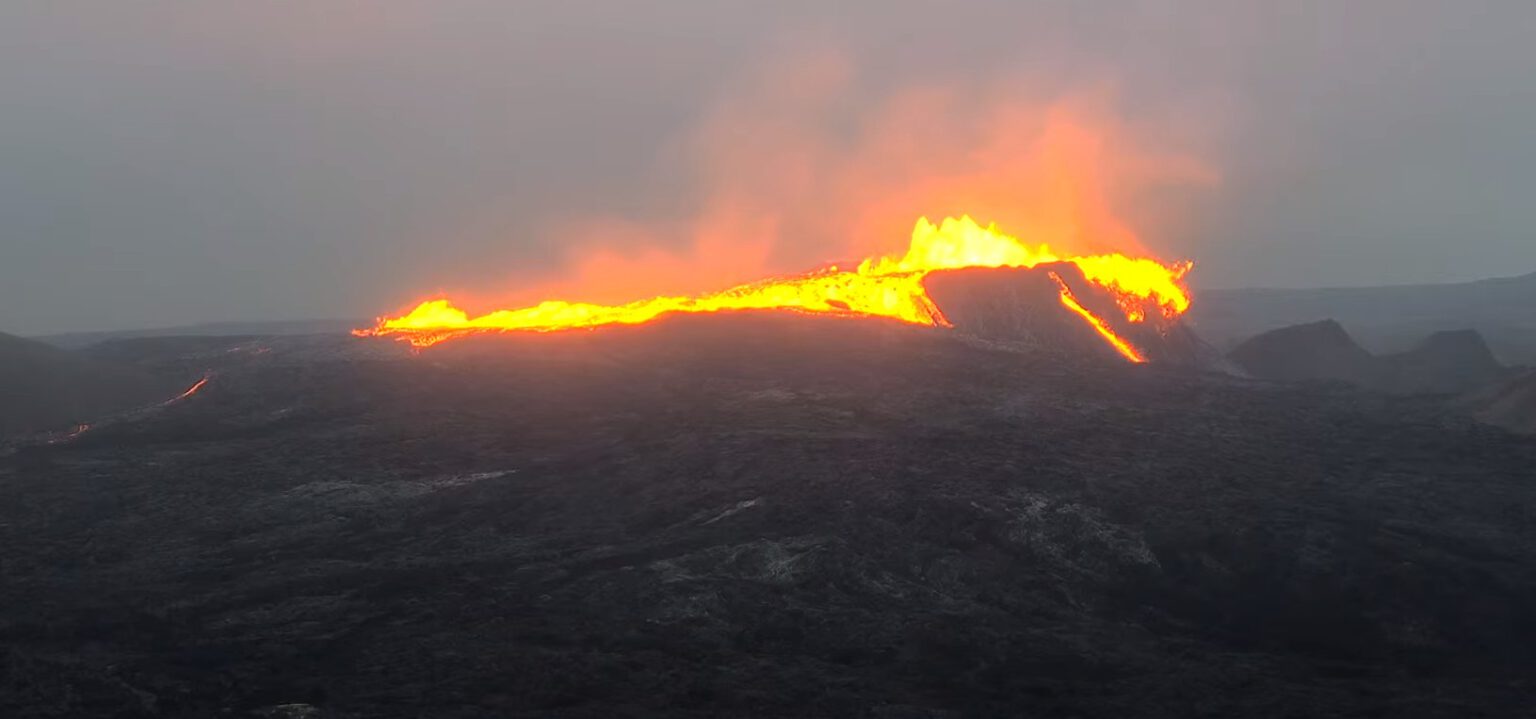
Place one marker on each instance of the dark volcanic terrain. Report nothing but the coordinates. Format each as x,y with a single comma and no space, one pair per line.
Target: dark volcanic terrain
45,388
758,515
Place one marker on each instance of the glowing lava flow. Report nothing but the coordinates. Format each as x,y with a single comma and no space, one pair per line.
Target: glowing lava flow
190,391
1069,301
79,429
881,287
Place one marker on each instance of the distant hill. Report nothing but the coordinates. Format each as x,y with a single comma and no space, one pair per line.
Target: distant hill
78,340
1312,351
45,388
1447,362
1382,319
159,350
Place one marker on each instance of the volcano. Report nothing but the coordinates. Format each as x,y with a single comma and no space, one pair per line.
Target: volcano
1052,308
1142,290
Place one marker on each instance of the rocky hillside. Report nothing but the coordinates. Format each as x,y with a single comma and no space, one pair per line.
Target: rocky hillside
45,388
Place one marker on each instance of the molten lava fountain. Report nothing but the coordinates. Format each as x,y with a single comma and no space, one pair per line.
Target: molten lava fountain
892,287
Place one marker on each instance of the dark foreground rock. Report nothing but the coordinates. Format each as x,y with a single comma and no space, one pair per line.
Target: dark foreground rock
765,516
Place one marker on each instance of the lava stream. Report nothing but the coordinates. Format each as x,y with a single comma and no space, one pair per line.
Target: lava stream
1068,300
190,391
880,287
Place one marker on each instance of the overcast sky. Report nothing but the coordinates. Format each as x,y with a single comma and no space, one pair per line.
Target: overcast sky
174,162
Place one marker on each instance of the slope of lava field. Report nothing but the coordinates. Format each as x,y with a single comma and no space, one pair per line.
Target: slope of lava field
761,515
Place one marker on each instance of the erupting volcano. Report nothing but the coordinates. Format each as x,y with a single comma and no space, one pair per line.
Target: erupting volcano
1143,289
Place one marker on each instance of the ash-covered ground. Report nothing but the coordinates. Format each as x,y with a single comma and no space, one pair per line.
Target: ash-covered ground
760,516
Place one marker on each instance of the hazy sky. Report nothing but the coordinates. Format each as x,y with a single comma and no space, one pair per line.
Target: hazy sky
172,162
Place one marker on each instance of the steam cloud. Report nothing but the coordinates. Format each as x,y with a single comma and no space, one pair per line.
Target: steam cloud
804,162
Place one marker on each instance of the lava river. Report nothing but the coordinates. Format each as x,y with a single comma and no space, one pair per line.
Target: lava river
879,287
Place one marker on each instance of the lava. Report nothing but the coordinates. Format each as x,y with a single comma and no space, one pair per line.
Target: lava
79,429
1069,301
143,411
190,391
878,287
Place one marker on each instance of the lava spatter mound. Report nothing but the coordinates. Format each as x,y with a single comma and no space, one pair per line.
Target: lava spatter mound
1026,308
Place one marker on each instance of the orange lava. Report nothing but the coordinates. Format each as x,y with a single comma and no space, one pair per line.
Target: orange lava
190,391
1068,300
79,429
879,287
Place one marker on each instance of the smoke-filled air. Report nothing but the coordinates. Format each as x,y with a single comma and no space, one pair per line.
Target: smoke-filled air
432,359
809,205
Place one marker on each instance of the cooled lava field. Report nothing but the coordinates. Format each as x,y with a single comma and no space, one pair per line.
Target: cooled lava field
759,516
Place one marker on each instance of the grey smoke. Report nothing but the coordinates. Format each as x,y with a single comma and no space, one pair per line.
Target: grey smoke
171,162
